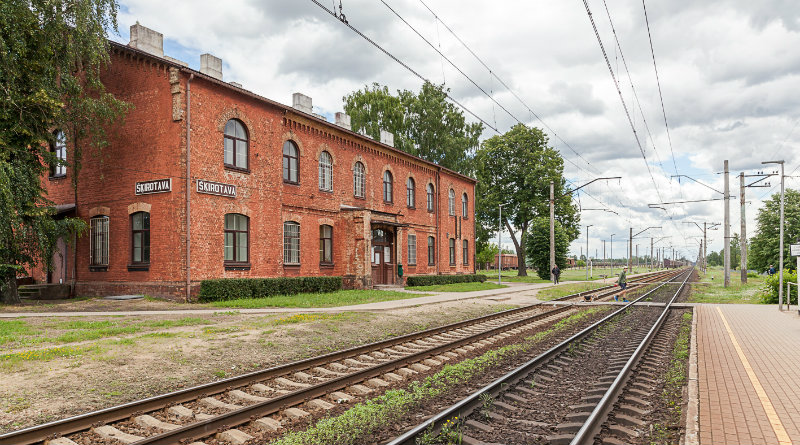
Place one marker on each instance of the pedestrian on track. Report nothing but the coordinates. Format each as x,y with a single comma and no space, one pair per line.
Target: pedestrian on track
622,282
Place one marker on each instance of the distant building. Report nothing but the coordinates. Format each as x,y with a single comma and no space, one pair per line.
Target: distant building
508,260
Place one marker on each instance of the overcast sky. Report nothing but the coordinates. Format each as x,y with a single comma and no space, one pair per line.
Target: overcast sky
728,70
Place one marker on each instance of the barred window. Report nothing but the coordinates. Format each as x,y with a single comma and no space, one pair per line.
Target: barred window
235,144
140,238
451,202
237,246
465,252
431,251
325,171
410,188
464,207
358,180
58,166
290,157
452,251
291,242
387,186
98,228
430,198
412,249
325,244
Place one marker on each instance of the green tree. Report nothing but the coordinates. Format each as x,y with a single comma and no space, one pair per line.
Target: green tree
514,170
424,124
51,54
487,254
736,251
539,246
764,247
714,259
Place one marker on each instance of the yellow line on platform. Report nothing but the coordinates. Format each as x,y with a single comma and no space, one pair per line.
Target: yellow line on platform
772,415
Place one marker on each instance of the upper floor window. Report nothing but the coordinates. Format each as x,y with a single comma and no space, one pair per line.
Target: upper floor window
412,249
358,180
387,186
58,166
325,244
237,246
452,252
431,200
140,238
291,242
464,205
235,144
451,202
410,188
98,240
465,252
290,157
325,171
431,251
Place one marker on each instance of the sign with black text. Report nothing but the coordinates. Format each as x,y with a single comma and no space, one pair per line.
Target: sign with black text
216,188
156,186
795,249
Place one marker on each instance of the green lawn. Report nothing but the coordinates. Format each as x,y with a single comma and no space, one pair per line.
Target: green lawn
711,288
554,292
329,299
457,287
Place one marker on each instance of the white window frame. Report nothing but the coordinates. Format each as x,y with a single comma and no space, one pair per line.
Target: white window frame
451,201
291,252
412,249
326,171
359,180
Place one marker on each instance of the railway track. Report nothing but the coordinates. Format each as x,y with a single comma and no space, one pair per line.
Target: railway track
262,399
566,395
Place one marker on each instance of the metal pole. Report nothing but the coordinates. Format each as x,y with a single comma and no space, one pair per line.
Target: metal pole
552,229
500,246
604,251
743,240
630,249
727,249
705,249
651,254
612,254
780,262
637,257
587,251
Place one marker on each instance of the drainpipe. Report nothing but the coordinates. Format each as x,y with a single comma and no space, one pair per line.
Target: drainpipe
188,187
438,215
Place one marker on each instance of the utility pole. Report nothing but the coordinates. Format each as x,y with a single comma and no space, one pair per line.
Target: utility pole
637,257
780,261
630,249
552,229
727,228
500,246
587,251
743,239
705,248
604,252
651,254
612,253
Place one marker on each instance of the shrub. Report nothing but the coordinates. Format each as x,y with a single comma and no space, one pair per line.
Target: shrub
236,288
769,293
752,274
431,280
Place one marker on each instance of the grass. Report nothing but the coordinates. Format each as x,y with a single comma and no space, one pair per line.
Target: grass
711,289
566,289
330,299
46,354
566,275
458,287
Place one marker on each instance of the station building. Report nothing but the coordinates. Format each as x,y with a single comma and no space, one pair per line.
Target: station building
204,179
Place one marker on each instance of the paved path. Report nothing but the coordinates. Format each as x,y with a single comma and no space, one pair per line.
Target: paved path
748,363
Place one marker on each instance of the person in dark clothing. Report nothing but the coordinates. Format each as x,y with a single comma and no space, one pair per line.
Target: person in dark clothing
771,270
623,279
556,274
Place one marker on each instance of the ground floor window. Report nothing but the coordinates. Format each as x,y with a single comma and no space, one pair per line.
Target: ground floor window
465,252
452,252
325,244
412,249
291,242
431,251
98,236
140,238
237,228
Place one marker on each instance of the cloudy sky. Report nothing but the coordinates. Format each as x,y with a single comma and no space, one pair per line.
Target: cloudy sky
729,73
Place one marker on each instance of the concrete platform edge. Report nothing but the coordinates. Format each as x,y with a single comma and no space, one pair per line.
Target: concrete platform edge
692,433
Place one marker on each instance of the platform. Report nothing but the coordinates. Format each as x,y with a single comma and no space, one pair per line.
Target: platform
748,375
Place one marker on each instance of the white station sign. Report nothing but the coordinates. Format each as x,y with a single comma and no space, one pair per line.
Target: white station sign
795,249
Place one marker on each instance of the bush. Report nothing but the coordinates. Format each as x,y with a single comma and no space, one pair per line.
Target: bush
431,280
236,288
752,274
769,293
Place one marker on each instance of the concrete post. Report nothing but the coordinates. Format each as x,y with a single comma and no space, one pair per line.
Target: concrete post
630,249
743,235
727,247
552,229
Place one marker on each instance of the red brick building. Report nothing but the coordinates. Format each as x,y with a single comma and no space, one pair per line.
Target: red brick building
205,179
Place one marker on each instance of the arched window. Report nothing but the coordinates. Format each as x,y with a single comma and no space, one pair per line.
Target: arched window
325,171
325,244
290,156
387,186
410,192
291,242
451,202
358,180
140,238
58,167
431,251
235,144
237,243
464,208
430,198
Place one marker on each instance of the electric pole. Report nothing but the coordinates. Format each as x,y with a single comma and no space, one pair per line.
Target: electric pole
780,261
743,239
552,229
587,251
630,249
651,254
727,228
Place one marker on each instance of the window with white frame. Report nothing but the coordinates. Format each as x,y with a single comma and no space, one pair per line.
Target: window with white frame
291,242
98,237
358,180
235,144
412,249
325,244
451,202
431,199
325,172
58,167
464,206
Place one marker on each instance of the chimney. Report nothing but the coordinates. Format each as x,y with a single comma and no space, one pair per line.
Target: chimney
343,120
387,138
301,102
211,66
147,40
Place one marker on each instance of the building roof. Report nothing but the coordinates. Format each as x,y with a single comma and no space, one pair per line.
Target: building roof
287,108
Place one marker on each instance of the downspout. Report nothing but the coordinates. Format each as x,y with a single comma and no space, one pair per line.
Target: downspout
438,215
189,187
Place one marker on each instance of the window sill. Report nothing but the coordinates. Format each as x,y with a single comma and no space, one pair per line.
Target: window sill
237,169
330,192
237,266
138,267
411,207
57,177
326,265
291,265
291,183
98,268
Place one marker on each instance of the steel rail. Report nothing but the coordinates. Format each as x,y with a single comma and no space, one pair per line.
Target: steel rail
591,427
474,400
85,421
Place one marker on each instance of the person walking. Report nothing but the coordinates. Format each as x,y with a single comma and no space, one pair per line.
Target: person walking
623,279
556,274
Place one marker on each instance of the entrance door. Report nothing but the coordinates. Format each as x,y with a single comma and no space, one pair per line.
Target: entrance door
382,256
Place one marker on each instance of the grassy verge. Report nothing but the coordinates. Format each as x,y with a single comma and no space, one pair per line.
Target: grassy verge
363,419
458,287
566,289
711,288
330,299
